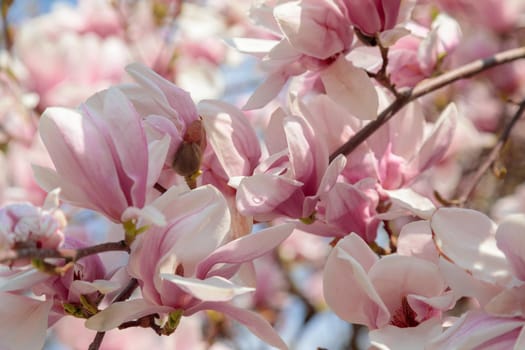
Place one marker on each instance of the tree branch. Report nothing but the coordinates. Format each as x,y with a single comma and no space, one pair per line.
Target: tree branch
491,158
426,87
67,254
123,295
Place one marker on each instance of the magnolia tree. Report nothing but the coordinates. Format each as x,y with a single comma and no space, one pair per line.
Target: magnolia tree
373,172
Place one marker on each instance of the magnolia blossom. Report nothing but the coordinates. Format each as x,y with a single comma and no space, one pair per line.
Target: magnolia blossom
26,226
372,17
287,182
165,108
312,34
487,264
400,298
192,265
101,155
21,316
416,56
53,46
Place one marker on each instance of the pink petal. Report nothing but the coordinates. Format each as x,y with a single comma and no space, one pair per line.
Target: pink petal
365,15
253,321
246,248
473,330
67,135
214,288
353,210
317,28
415,239
267,91
396,276
48,179
467,238
395,338
232,137
509,303
121,127
351,88
346,286
435,146
261,194
117,313
23,321
464,284
308,157
165,93
510,240
157,152
406,201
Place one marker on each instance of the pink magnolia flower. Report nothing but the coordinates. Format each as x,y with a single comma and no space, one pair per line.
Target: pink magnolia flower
101,155
394,295
232,145
53,47
417,56
396,161
86,279
381,18
287,182
26,226
481,331
21,316
373,16
190,264
484,261
165,108
489,255
312,33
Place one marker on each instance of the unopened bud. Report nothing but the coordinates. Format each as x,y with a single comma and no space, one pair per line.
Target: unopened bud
187,159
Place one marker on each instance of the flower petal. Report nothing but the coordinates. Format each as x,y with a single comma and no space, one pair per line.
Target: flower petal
351,88
253,321
210,289
117,313
23,321
246,248
346,286
467,238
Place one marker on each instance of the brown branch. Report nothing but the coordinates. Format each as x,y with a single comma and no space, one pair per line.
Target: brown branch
95,345
159,187
67,254
491,158
426,87
6,32
123,295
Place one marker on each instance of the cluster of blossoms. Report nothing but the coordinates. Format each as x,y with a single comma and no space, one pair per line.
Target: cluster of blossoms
329,189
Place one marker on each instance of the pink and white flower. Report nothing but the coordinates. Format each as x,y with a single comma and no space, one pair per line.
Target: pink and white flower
192,265
394,295
101,155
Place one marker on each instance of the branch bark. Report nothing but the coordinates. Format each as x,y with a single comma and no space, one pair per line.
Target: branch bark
424,88
67,254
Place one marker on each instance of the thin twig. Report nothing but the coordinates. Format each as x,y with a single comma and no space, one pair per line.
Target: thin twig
294,289
95,344
127,291
6,32
123,295
426,87
68,254
159,187
491,158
